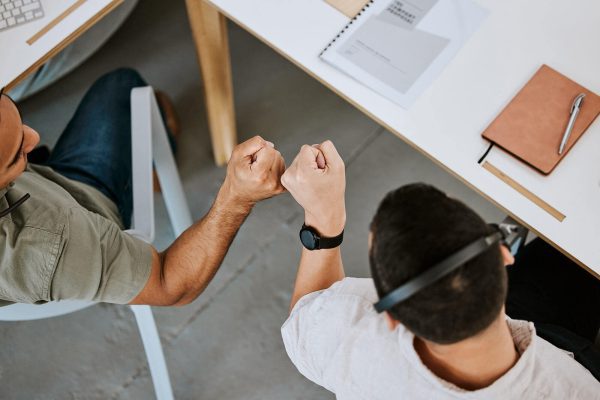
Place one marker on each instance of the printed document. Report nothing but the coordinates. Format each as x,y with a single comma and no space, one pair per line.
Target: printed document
399,47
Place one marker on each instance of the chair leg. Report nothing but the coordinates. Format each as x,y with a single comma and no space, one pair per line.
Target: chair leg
154,353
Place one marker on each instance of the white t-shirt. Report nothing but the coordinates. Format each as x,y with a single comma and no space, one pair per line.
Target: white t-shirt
337,340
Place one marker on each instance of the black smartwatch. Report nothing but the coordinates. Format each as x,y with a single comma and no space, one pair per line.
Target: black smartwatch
311,239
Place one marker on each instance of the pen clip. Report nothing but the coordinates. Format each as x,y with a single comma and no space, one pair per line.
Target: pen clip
577,102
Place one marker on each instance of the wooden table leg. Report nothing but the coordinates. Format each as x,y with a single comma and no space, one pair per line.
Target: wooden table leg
209,28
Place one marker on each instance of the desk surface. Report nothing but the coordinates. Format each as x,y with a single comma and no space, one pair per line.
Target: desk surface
19,58
446,121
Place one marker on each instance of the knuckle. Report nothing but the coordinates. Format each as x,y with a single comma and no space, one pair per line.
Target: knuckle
300,178
255,139
259,140
235,154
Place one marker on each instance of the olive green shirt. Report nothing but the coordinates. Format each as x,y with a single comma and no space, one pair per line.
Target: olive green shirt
66,242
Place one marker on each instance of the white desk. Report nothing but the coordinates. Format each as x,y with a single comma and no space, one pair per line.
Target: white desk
446,121
19,58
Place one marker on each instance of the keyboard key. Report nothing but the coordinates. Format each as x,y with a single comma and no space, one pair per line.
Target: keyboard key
17,12
30,7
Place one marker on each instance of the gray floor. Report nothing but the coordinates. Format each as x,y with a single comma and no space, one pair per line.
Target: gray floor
226,345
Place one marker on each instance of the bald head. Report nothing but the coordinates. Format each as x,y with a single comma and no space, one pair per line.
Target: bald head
16,141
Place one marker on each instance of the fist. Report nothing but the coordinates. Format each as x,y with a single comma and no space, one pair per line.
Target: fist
254,172
317,181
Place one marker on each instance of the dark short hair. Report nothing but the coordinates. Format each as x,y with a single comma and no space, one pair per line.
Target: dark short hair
417,226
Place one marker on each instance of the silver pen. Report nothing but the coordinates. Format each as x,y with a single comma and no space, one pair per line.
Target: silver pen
574,113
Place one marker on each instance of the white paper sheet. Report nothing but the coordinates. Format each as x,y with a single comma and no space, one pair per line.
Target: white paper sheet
398,47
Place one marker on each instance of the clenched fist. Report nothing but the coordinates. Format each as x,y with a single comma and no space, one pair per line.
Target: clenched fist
317,180
254,172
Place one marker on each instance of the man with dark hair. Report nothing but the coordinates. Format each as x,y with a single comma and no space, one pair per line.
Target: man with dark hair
448,338
408,232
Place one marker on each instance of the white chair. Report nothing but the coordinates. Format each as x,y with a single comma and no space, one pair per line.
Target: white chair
150,146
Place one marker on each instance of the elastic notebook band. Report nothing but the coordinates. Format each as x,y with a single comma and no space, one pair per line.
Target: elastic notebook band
486,153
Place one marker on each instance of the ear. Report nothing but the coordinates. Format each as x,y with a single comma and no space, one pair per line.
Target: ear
507,257
392,323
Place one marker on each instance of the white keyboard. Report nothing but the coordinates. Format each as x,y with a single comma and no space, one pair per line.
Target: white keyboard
18,12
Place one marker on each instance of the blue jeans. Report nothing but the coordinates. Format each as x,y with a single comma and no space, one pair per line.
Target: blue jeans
95,147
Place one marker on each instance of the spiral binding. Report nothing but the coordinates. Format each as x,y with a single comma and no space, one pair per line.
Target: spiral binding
362,10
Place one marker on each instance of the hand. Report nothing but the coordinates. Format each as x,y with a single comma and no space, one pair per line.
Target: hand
254,172
317,181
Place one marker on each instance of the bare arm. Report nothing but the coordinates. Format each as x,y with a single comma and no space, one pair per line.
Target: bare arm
316,179
318,270
182,272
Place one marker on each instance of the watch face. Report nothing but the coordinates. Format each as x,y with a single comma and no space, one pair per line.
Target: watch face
308,239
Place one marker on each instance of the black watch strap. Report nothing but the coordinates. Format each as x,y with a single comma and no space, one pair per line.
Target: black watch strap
331,243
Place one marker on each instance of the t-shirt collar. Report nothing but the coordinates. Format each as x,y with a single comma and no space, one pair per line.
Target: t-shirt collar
515,380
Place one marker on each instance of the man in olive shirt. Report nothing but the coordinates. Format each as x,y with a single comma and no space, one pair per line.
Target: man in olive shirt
61,224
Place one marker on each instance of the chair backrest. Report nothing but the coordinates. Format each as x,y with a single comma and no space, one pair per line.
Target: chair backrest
150,146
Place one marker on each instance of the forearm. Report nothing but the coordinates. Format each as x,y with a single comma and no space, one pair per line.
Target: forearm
191,262
316,179
318,270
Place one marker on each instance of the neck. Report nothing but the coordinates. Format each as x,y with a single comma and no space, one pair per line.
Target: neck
473,363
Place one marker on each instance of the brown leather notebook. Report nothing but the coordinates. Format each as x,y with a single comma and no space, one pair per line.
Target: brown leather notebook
531,126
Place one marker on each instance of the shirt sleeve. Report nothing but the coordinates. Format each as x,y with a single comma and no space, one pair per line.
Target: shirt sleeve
99,262
320,321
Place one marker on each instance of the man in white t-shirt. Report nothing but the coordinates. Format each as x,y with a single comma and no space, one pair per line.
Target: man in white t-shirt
448,338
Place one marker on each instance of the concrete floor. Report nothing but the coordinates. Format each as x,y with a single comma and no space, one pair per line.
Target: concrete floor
226,345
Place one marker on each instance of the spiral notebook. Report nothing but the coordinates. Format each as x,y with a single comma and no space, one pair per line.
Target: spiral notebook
398,47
